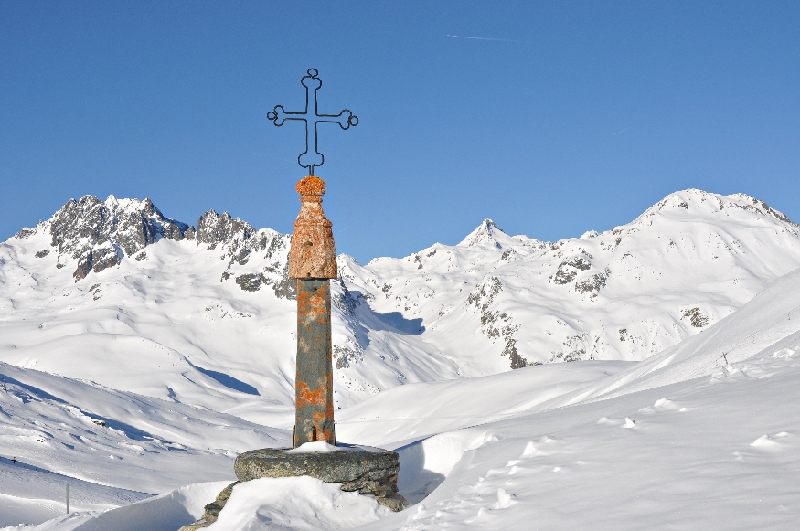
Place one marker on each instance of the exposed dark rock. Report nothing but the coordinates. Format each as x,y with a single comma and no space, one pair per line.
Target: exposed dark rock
564,276
696,317
250,282
239,242
25,233
577,345
104,258
362,471
593,284
496,324
517,361
99,234
95,291
84,267
347,301
578,262
568,269
96,260
485,292
284,288
345,356
508,254
214,229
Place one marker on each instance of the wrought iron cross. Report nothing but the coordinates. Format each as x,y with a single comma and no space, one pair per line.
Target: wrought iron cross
345,119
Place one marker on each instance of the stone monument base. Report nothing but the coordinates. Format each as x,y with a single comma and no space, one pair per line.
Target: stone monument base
366,471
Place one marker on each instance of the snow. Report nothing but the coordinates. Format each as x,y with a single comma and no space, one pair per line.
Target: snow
161,513
116,438
300,503
322,446
414,412
34,495
139,393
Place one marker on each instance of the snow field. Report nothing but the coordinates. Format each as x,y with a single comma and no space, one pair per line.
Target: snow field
157,372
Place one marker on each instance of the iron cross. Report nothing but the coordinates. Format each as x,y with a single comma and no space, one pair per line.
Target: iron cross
345,119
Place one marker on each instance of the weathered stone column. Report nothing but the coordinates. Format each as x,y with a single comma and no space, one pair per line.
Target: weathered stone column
312,263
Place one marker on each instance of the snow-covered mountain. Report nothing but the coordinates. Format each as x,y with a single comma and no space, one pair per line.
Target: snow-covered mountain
133,343
212,305
689,439
495,301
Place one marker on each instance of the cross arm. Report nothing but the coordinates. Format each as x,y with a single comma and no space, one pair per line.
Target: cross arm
278,116
345,119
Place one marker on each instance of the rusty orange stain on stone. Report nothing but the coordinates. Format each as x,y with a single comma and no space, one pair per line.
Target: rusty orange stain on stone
313,251
311,306
306,397
311,185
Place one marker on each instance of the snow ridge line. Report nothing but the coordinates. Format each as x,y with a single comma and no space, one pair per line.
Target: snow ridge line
642,383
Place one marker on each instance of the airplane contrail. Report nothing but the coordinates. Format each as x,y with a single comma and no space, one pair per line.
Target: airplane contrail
481,38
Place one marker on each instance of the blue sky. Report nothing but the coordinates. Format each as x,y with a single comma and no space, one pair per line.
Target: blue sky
552,118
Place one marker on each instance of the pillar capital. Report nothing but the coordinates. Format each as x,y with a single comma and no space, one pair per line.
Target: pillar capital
312,254
310,187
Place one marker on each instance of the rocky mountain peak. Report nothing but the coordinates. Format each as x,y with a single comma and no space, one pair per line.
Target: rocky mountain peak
99,234
214,229
238,242
487,234
235,236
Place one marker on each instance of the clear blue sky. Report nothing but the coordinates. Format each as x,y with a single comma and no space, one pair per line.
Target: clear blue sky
552,118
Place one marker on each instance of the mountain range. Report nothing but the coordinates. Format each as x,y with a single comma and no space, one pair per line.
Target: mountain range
216,296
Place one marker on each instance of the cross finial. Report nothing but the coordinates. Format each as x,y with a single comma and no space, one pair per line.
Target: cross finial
345,119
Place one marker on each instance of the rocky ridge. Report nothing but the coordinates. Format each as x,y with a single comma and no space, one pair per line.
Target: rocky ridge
237,242
93,235
96,235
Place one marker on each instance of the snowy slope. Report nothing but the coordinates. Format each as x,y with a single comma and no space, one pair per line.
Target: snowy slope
101,435
213,312
719,450
764,326
56,431
663,450
494,301
181,340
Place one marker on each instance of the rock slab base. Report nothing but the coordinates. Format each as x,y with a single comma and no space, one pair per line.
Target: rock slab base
370,472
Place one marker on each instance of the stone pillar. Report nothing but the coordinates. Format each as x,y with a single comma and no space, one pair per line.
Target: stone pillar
312,263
